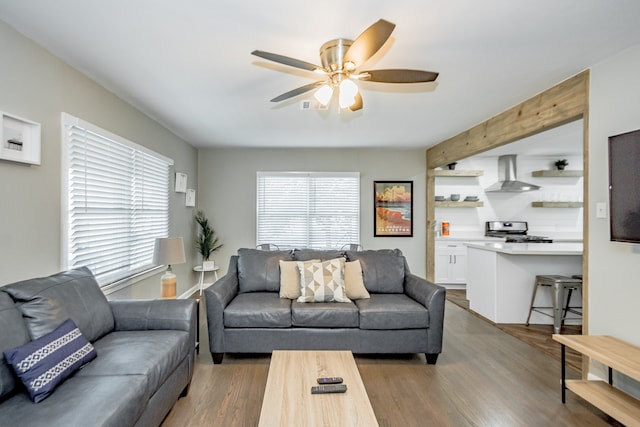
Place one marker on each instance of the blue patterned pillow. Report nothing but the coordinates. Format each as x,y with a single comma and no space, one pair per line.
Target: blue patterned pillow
46,362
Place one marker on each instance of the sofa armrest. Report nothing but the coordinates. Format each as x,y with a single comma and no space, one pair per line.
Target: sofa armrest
432,296
217,297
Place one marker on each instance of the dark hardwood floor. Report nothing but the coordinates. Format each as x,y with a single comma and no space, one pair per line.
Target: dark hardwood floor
484,377
538,336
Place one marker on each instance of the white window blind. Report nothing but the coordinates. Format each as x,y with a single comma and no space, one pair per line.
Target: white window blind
308,209
118,202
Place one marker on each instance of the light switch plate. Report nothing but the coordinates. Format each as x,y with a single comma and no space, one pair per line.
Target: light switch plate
601,210
190,198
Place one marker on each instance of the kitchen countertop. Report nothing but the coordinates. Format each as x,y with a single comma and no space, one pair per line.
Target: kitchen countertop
530,248
475,237
463,238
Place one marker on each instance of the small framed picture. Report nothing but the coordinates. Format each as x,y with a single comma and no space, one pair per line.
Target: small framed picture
190,198
393,208
20,139
181,182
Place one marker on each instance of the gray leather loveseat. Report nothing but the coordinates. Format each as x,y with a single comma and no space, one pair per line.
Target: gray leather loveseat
143,360
246,313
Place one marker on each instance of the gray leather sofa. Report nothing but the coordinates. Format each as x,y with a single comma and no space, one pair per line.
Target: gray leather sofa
245,313
145,353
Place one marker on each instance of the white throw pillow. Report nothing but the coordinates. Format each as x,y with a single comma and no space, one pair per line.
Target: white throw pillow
322,281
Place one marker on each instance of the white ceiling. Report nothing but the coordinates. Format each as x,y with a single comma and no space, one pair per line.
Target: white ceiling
188,65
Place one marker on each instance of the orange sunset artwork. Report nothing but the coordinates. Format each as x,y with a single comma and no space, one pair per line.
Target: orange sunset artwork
393,205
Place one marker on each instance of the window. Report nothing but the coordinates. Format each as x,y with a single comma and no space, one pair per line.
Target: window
117,201
308,209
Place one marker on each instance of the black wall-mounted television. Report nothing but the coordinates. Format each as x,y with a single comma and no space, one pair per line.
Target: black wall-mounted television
624,187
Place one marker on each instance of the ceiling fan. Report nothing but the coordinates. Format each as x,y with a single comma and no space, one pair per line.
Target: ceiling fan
340,59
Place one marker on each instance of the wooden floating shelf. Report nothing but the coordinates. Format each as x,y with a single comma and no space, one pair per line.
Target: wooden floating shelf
459,173
450,204
557,173
556,204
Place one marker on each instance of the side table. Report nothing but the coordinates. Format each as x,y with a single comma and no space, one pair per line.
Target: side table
202,272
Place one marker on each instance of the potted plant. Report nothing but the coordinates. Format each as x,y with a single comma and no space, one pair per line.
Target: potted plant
206,240
561,164
452,165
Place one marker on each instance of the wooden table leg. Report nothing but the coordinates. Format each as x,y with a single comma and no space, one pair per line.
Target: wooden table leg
564,384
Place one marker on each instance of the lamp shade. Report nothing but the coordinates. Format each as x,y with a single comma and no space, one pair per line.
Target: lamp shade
348,92
168,251
323,95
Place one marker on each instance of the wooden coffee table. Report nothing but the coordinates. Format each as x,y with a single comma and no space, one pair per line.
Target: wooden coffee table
288,400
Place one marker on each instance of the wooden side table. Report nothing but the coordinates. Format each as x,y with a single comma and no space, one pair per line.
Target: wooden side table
202,272
615,354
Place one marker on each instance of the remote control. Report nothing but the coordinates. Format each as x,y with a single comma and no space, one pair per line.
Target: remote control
329,388
330,380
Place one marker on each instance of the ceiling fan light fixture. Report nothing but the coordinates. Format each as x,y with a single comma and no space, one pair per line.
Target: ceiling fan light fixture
323,95
341,59
348,92
349,66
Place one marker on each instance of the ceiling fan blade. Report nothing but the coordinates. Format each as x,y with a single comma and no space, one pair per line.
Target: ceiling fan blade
297,91
357,105
369,42
292,62
398,76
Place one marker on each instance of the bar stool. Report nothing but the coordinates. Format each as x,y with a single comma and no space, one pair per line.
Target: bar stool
268,247
558,285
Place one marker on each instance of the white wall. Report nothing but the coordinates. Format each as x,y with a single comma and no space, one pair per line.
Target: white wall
227,193
614,268
39,87
551,222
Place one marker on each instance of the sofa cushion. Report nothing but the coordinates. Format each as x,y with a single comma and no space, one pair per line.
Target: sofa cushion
105,401
13,333
154,354
45,363
258,310
290,279
392,311
353,281
47,302
382,271
322,281
322,254
259,271
324,315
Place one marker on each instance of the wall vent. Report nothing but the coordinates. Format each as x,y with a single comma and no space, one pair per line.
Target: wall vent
312,105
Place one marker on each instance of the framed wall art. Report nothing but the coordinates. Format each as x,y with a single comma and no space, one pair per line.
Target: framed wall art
20,139
181,182
393,208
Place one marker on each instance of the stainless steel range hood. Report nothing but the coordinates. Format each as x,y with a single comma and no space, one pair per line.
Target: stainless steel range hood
508,177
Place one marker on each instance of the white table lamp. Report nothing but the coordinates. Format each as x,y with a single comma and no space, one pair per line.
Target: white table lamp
168,251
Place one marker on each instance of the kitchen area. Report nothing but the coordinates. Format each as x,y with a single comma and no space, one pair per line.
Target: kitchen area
507,215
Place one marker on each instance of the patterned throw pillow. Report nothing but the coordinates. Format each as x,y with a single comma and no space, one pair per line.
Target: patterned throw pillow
322,281
290,279
46,362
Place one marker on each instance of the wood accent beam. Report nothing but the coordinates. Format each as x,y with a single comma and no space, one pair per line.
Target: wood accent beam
556,106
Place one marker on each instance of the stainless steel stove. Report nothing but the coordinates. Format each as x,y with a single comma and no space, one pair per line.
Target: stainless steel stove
513,232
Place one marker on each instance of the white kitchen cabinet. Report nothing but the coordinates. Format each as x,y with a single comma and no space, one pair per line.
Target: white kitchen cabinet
451,263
